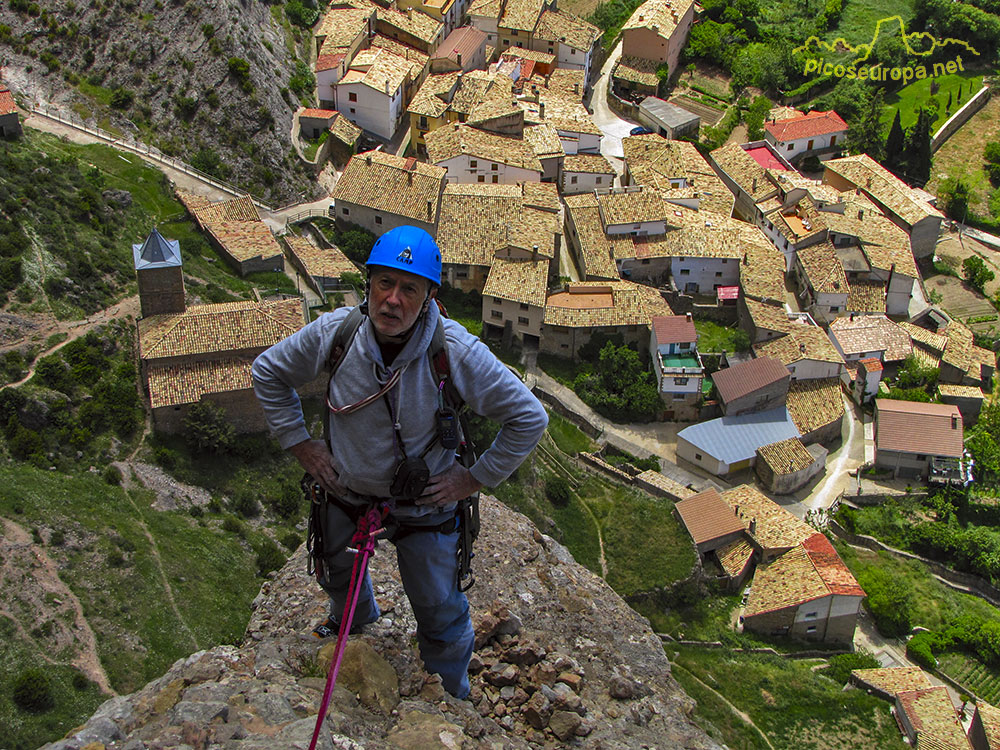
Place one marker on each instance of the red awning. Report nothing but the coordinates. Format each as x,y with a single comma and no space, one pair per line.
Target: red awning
728,292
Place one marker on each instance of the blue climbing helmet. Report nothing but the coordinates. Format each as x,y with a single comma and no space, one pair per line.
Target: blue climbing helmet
408,249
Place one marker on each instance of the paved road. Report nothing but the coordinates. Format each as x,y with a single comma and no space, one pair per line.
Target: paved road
614,127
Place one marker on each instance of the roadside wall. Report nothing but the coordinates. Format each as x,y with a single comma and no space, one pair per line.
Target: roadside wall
957,120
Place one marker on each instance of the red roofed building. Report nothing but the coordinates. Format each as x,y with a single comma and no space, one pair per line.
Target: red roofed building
757,385
463,50
10,125
914,439
811,133
314,122
673,345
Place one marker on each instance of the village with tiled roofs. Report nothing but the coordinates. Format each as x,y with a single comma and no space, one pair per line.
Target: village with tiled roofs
476,122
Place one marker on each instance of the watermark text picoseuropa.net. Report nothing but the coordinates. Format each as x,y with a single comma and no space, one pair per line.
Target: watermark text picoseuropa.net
820,67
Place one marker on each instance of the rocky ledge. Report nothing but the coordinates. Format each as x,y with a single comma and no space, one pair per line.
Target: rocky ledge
561,661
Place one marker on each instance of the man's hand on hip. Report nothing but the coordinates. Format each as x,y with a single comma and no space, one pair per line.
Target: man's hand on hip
315,458
453,484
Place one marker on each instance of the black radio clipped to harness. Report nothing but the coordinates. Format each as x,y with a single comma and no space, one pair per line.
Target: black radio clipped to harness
447,427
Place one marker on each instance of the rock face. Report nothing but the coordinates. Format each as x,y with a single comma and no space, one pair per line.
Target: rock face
556,649
175,87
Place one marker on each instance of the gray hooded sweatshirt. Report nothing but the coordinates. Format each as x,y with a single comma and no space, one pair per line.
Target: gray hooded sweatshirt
365,453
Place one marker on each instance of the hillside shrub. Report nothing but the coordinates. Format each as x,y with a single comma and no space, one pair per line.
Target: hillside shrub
33,692
206,428
291,541
621,388
244,504
920,650
269,557
841,665
889,602
557,490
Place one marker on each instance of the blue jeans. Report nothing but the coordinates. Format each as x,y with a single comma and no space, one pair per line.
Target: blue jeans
428,567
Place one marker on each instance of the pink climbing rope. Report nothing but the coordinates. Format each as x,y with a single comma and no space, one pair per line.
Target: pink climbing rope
369,525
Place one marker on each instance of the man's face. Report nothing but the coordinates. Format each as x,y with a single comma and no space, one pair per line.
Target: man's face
396,300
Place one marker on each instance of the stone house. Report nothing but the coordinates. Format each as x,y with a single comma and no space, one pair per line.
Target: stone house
463,50
566,113
928,718
514,300
323,268
757,385
792,226
584,173
810,134
984,731
235,229
859,337
158,271
822,283
540,26
817,408
805,350
913,439
634,79
10,124
472,155
968,398
750,181
380,191
658,30
908,208
372,93
446,12
677,170
787,466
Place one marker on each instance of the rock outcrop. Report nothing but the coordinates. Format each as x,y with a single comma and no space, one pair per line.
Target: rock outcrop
561,661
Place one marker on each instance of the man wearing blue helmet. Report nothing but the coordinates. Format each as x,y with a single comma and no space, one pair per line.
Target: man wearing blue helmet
386,441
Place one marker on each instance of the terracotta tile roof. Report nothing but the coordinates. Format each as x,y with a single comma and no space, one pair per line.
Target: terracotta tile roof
990,718
930,340
330,61
674,329
882,242
318,114
785,456
870,364
775,527
767,317
933,717
745,171
234,209
175,385
480,220
490,8
762,272
636,70
565,28
391,184
327,263
799,222
595,250
412,22
344,130
587,164
450,141
745,378
544,139
380,70
660,16
893,680
735,557
567,82
962,352
676,489
563,111
632,207
788,181
654,161
431,99
871,333
809,571
227,327
7,104
822,268
960,391
866,297
802,342
604,304
235,224
518,280
867,174
396,47
809,125
341,26
482,95
520,14
511,53
706,516
814,403
913,427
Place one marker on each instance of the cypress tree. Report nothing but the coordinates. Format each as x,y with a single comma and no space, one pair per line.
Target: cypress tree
894,146
917,160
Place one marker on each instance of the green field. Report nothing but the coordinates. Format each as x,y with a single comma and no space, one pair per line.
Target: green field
859,17
973,674
912,98
785,699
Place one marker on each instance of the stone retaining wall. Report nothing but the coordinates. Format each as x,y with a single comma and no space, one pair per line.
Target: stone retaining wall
957,120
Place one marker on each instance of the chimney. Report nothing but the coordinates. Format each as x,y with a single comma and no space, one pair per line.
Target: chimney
954,421
754,187
802,348
459,56
534,252
409,178
861,214
368,158
430,208
688,316
576,88
753,525
541,110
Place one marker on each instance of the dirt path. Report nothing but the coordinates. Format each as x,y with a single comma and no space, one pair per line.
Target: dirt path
41,584
744,717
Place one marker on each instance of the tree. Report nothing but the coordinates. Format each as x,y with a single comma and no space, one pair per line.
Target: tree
865,133
756,116
954,195
663,80
33,692
894,146
991,153
621,388
976,273
888,600
206,428
917,160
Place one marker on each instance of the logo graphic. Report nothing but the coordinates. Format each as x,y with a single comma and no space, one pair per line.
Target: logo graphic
405,257
919,44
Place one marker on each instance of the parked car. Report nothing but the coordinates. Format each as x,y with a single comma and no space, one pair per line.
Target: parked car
640,130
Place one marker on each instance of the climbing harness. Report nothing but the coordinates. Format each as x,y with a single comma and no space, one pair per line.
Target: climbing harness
369,526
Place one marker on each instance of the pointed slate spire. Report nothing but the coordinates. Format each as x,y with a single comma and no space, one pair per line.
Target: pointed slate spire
157,252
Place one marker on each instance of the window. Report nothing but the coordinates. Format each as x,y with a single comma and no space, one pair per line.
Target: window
572,180
352,110
497,301
921,457
461,274
681,381
679,397
644,262
718,274
495,179
481,178
346,211
524,305
725,260
495,167
697,457
834,308
522,321
685,346
473,163
423,122
496,314
519,44
513,32
378,219
351,96
811,615
791,146
685,272
811,629
600,180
